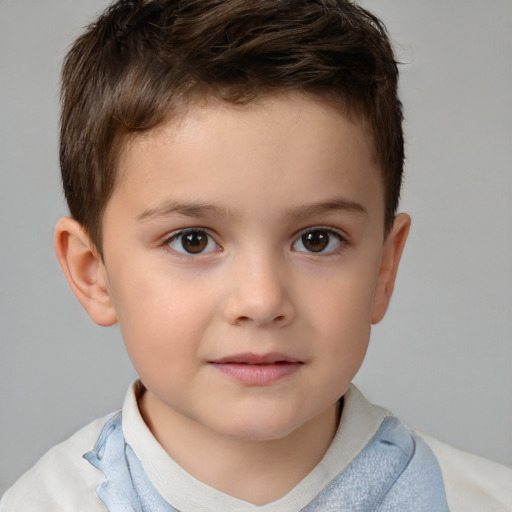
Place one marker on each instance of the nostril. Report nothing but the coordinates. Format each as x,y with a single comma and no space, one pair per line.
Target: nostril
277,319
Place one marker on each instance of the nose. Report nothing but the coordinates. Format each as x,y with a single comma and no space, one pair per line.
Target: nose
259,293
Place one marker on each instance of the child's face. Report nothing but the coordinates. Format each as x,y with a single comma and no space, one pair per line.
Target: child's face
243,250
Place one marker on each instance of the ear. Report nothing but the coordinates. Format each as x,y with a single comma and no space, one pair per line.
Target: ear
84,269
391,254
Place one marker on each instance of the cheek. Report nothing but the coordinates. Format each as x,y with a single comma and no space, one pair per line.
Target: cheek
345,300
162,319
340,311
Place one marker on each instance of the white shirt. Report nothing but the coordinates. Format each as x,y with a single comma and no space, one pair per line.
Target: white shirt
62,481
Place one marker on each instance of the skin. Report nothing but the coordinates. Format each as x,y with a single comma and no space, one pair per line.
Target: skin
253,182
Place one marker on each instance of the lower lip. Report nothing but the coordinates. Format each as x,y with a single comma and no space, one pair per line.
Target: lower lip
257,374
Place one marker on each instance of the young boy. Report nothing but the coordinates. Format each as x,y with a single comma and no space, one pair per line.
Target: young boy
233,170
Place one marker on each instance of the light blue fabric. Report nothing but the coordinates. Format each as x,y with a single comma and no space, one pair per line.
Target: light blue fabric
127,488
396,472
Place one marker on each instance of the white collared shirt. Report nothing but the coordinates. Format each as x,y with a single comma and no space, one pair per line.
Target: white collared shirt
62,481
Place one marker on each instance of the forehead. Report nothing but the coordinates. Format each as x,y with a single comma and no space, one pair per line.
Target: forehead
292,145
207,107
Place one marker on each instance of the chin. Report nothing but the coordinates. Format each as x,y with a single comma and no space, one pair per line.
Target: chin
259,428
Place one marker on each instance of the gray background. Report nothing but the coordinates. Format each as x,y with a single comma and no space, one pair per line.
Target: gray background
441,359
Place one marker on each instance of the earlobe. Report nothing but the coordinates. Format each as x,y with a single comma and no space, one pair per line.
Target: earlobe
391,254
84,269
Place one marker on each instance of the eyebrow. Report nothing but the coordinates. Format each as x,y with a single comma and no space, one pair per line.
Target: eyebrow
327,207
186,208
191,209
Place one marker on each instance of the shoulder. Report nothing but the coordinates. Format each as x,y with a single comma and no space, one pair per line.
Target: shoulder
472,483
436,472
62,480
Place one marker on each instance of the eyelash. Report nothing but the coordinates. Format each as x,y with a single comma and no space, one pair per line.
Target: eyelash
176,235
342,241
320,231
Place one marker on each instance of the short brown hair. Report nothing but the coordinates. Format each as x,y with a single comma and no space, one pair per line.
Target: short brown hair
142,60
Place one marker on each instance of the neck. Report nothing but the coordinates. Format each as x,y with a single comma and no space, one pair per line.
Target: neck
257,471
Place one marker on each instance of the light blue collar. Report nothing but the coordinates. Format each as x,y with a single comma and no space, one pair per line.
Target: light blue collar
396,472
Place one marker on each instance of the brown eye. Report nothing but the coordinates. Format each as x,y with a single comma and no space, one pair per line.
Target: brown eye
318,241
195,242
192,242
315,241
